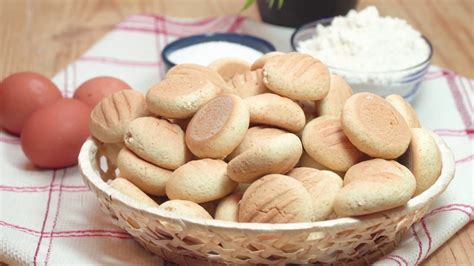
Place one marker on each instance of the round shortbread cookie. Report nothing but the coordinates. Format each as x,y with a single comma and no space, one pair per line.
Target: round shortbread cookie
228,67
258,64
130,190
324,140
374,126
248,84
423,158
405,109
111,115
218,127
323,187
194,69
373,186
148,177
200,181
297,76
228,208
185,208
278,155
273,110
157,141
255,136
339,92
180,96
276,199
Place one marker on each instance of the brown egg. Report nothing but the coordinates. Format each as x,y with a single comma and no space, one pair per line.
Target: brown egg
92,91
52,136
20,95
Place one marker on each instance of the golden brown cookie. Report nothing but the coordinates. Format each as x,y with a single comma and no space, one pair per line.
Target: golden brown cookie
228,208
324,140
110,117
185,208
218,127
228,67
248,84
297,76
405,109
194,69
259,63
130,190
180,96
373,186
323,187
148,177
157,141
253,137
276,199
273,110
200,181
423,158
374,126
339,92
278,155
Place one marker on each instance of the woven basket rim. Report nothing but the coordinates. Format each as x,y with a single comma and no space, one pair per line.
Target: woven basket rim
91,176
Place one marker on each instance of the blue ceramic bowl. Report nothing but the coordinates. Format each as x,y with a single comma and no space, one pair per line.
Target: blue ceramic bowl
242,39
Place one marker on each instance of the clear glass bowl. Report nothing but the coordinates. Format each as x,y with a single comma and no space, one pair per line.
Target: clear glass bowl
404,82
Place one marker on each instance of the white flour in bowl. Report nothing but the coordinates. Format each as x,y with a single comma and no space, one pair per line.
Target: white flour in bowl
206,52
366,42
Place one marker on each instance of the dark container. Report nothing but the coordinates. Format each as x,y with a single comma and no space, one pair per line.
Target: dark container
295,13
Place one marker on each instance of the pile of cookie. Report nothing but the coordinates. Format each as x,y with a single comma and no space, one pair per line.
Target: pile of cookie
279,141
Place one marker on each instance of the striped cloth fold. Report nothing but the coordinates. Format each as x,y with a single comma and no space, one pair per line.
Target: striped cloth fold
49,216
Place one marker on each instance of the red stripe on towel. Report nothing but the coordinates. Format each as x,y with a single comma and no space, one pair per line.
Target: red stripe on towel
418,241
465,159
394,259
73,233
236,25
143,17
58,208
400,258
45,218
454,132
428,235
116,61
458,99
64,188
13,141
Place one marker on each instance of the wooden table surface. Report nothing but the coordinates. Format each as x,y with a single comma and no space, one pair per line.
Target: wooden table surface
45,35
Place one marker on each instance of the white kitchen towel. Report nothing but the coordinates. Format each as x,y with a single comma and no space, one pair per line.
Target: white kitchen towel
49,216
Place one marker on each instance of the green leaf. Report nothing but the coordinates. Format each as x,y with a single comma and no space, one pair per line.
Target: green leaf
280,3
270,3
247,4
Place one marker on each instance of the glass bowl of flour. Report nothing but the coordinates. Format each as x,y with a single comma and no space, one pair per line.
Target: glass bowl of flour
383,55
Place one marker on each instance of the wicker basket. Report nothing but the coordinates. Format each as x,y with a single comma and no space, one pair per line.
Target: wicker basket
202,242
